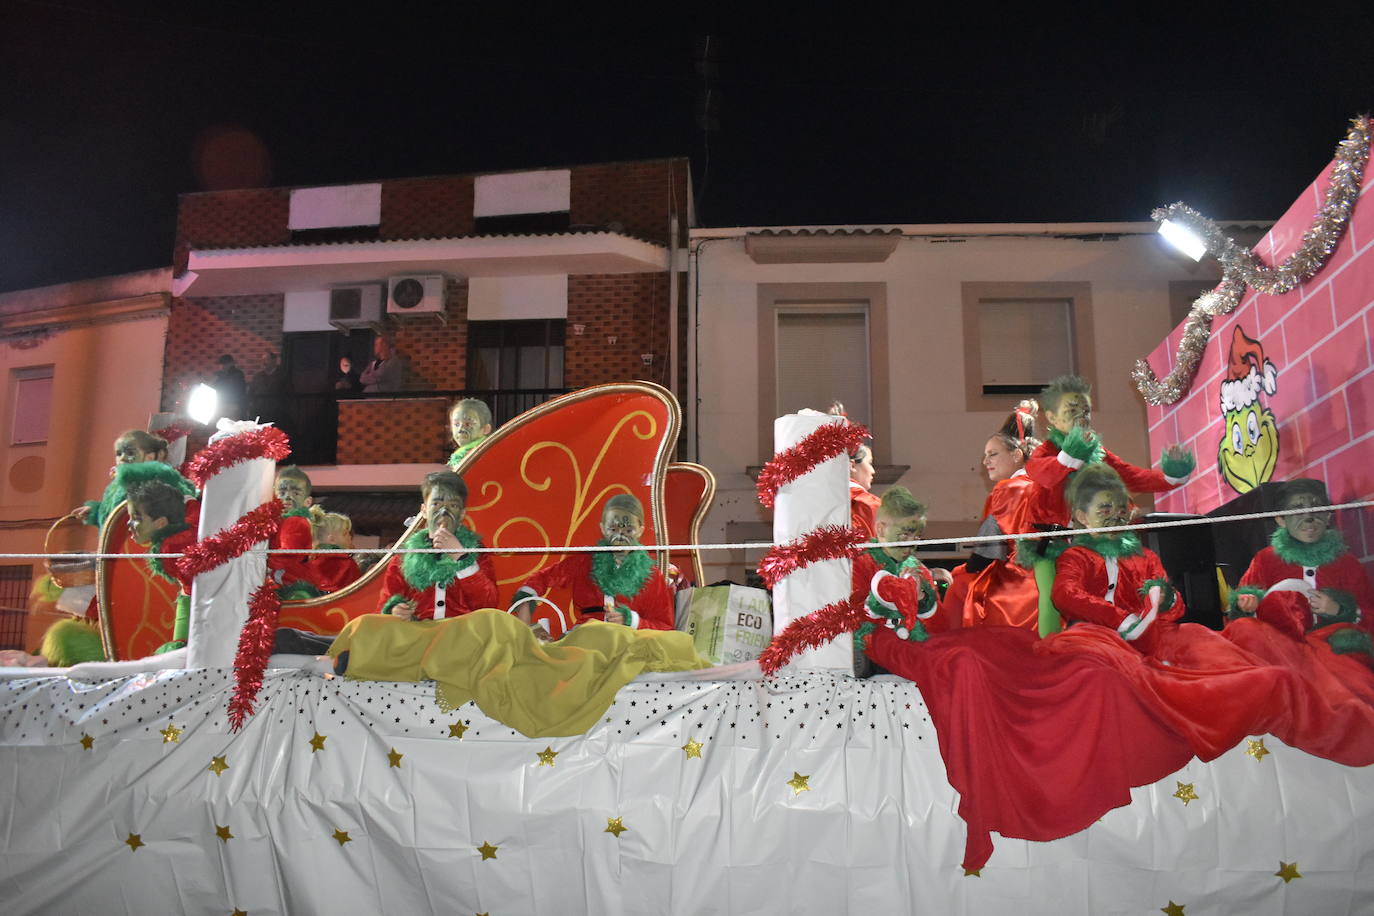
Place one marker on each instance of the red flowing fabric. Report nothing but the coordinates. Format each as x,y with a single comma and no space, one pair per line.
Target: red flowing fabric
1039,746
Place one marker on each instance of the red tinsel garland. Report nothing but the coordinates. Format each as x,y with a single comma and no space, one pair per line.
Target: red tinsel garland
828,542
255,646
822,445
256,525
813,630
267,442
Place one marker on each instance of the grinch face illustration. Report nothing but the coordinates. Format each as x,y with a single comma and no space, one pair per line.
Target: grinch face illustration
1249,447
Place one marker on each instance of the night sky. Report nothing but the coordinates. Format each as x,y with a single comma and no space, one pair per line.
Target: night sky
109,110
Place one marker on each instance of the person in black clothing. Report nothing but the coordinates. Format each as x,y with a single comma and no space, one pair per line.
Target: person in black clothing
232,388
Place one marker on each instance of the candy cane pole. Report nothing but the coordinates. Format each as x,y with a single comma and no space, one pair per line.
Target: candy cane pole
219,596
818,497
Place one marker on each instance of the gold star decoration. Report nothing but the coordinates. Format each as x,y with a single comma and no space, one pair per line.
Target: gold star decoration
218,765
223,833
395,757
342,836
239,913
973,873
1185,793
134,841
546,757
1287,871
487,850
616,825
1173,909
692,748
456,730
798,783
171,734
87,741
317,743
1256,748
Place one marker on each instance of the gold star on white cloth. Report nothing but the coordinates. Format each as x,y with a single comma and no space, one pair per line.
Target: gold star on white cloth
487,850
799,784
218,765
1255,748
692,748
1185,793
616,825
171,734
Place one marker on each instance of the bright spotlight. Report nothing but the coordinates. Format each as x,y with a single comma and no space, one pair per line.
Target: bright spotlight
203,404
1183,238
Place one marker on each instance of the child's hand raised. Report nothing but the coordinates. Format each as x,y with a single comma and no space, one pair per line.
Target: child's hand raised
1247,603
447,540
404,610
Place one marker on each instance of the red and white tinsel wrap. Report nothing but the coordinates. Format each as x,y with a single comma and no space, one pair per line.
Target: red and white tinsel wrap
240,470
816,497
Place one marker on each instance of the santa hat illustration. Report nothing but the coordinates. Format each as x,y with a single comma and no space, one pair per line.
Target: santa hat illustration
1247,373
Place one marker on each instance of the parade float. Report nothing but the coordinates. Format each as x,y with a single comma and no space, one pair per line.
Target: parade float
220,780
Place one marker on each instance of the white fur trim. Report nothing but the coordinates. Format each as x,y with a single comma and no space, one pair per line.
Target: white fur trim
466,571
631,619
1069,461
903,632
1238,393
1175,481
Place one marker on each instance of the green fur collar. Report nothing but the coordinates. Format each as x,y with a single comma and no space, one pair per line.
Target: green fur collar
155,546
461,452
296,513
1292,550
889,563
1128,545
624,580
426,570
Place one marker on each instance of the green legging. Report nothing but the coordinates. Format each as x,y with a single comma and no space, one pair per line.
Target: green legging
1050,621
180,628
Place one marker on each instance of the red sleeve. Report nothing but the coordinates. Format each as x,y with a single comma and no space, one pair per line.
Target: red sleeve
478,589
654,604
1288,612
1353,578
294,534
1080,580
559,575
1045,468
331,573
393,583
1011,504
1138,480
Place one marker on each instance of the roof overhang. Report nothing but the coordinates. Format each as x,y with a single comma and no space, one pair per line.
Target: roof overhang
292,268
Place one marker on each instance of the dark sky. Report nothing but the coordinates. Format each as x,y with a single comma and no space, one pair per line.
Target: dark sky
105,109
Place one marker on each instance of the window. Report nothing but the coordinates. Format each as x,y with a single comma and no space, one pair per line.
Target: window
1019,336
822,357
32,404
515,365
819,342
14,602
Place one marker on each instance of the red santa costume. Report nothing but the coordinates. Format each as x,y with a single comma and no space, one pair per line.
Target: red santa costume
330,572
441,587
636,586
295,533
1001,592
863,509
1060,455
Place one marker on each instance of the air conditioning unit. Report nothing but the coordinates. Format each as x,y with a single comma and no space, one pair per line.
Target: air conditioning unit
355,306
413,294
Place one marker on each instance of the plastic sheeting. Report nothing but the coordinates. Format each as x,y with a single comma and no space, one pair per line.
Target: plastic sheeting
392,812
818,497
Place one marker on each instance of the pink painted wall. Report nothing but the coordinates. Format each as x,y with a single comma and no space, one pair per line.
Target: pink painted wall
1318,337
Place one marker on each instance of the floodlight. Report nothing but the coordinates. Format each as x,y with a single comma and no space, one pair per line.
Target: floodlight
203,404
1183,238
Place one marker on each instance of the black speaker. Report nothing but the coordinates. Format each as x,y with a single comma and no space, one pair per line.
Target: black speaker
1189,558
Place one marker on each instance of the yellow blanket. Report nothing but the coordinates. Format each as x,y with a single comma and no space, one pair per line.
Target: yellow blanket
538,689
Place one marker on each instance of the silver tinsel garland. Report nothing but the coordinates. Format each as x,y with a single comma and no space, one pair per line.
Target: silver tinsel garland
1241,268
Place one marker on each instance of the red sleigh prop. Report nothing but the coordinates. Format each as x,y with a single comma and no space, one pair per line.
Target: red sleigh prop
537,482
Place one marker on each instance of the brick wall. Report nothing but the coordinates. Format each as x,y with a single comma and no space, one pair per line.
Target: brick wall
231,219
632,308
438,352
421,208
1318,337
639,195
393,432
199,331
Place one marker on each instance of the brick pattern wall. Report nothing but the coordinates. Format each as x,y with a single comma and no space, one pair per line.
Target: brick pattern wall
438,352
1318,337
393,432
639,195
421,208
231,219
199,331
632,308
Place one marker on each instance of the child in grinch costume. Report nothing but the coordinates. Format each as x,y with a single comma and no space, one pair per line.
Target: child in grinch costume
1072,445
1306,584
622,586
